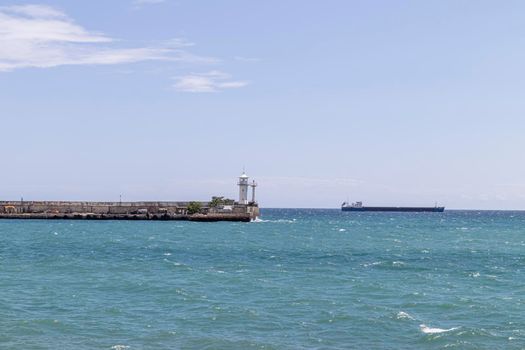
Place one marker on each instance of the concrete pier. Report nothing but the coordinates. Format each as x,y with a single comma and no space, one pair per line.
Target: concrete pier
127,211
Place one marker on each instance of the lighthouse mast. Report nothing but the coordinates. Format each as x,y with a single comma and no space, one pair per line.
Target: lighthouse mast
253,185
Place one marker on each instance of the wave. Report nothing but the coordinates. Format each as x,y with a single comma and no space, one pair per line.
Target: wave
257,219
401,315
430,330
387,264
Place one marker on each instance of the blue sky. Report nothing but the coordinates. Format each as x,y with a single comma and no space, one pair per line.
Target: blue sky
388,102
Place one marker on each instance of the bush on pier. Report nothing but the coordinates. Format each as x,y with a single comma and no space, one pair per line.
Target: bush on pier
194,208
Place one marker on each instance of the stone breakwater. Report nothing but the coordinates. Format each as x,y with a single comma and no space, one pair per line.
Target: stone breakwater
126,211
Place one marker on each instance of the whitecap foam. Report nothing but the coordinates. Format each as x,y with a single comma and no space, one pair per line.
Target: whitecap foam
401,315
119,347
274,221
342,230
430,330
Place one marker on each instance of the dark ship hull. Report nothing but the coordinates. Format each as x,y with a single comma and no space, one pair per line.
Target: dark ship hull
400,209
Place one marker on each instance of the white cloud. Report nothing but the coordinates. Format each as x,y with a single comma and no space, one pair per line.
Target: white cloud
207,82
42,36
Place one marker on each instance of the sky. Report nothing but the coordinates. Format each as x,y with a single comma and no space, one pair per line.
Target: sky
385,102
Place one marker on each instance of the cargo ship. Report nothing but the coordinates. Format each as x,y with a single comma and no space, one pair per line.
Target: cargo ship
358,206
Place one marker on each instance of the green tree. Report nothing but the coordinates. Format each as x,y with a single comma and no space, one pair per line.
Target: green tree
194,208
227,201
216,201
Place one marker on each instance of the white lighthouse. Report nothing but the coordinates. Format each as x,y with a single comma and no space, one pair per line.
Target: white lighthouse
243,188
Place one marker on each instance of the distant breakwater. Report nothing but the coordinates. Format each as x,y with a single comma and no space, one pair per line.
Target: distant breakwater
190,211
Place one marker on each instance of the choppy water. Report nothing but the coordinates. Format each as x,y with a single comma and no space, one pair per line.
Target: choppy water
299,279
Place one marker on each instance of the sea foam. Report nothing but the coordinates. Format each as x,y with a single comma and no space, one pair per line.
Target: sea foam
257,219
429,330
401,315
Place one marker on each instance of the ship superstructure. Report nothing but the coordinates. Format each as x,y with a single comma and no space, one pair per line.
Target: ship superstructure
358,206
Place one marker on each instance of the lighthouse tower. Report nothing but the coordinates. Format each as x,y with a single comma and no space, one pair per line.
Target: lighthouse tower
253,185
243,188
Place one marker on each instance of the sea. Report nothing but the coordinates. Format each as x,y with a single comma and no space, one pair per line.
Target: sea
293,279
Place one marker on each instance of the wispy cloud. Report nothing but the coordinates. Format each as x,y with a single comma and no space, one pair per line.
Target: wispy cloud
41,11
137,4
43,36
207,82
246,59
310,182
147,2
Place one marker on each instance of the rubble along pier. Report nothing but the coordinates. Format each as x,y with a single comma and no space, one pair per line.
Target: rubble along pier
128,211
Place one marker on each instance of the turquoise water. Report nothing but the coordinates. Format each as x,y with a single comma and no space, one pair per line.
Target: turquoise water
300,279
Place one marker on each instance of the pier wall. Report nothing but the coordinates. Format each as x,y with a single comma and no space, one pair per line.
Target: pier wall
124,210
